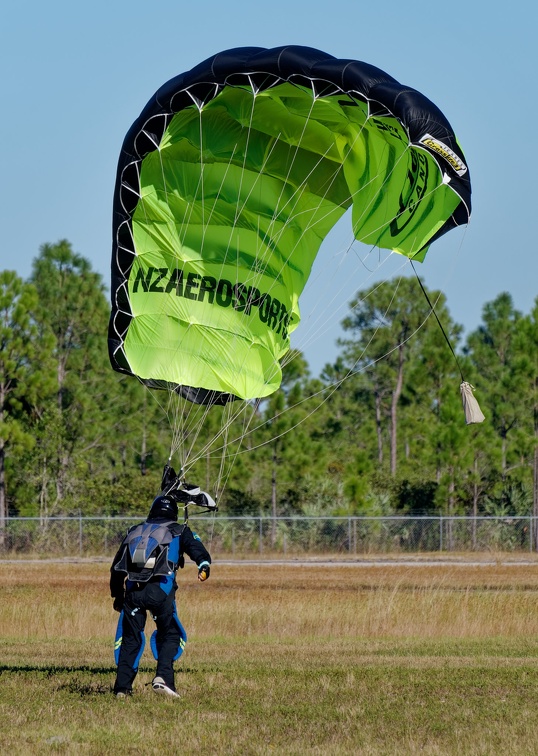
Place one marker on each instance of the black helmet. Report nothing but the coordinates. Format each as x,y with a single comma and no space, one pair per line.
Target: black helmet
164,506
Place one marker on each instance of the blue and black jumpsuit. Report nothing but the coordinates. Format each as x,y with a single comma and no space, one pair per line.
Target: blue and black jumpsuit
157,596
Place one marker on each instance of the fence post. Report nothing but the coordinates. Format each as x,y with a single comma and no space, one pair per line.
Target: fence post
261,535
80,533
441,533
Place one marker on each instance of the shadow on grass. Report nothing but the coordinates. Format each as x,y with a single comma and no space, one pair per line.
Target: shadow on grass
56,669
79,687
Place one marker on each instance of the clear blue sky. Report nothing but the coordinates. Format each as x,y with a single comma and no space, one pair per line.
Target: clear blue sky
76,74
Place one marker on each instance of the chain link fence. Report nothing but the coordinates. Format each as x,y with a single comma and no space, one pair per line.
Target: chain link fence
280,537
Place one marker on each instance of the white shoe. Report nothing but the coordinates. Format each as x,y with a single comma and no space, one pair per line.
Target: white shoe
122,694
159,686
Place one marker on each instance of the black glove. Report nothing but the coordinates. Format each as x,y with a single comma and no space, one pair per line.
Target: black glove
118,603
203,572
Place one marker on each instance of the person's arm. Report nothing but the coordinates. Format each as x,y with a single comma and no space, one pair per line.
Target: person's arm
195,549
117,582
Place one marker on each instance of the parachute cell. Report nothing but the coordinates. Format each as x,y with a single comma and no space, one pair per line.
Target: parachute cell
227,184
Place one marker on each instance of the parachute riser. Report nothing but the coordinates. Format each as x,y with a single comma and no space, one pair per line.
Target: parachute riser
205,510
184,493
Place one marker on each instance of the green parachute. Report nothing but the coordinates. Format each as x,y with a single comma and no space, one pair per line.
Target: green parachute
227,184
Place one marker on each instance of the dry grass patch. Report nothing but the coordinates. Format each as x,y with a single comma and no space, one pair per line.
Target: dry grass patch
52,601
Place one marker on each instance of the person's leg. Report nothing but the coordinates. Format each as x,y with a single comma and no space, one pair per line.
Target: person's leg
168,639
132,645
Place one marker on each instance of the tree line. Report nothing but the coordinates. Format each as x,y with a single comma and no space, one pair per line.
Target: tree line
380,432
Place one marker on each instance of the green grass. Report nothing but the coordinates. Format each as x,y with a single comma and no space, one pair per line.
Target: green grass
273,679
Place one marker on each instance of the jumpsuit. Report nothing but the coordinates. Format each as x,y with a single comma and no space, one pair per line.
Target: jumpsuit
157,596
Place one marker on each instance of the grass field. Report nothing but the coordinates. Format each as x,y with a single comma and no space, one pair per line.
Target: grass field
293,659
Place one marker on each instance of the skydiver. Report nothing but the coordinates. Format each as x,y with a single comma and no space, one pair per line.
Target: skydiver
142,579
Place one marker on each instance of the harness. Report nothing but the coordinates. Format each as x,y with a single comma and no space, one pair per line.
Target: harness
145,552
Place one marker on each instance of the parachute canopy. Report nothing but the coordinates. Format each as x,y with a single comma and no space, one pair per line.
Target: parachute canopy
227,184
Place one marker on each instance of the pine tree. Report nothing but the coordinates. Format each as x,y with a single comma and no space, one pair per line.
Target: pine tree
24,378
495,352
527,351
387,323
72,307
